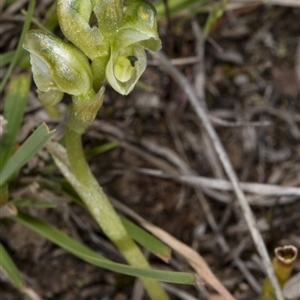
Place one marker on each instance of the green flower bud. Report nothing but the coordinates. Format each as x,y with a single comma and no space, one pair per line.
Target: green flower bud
73,18
58,67
125,67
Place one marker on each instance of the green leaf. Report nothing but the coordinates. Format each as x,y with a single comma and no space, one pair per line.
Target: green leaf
26,151
21,202
10,269
14,108
147,240
86,254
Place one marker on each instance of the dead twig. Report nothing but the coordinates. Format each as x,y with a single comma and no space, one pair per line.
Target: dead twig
225,185
178,292
284,115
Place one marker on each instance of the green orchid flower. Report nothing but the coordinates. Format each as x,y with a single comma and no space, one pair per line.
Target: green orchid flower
125,67
137,33
58,67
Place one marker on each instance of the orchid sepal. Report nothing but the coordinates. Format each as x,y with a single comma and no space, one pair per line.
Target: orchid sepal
58,67
74,23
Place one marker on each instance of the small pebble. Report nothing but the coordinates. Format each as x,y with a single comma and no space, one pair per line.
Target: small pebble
241,79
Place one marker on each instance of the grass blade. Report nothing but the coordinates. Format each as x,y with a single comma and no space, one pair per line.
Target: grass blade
64,241
10,269
26,151
14,108
147,240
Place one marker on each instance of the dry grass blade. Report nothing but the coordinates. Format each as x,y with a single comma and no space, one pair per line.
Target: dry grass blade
193,258
202,113
225,185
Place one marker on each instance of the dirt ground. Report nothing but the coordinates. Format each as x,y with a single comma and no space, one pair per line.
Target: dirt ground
252,94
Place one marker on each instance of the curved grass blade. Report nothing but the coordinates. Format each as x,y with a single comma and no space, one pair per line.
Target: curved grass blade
10,269
26,151
64,241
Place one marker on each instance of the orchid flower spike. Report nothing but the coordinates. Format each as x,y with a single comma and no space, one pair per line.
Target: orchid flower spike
115,49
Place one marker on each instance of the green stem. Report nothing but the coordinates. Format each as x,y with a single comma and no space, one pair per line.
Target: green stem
104,213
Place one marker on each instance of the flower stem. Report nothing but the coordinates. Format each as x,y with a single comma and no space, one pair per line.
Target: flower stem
103,211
